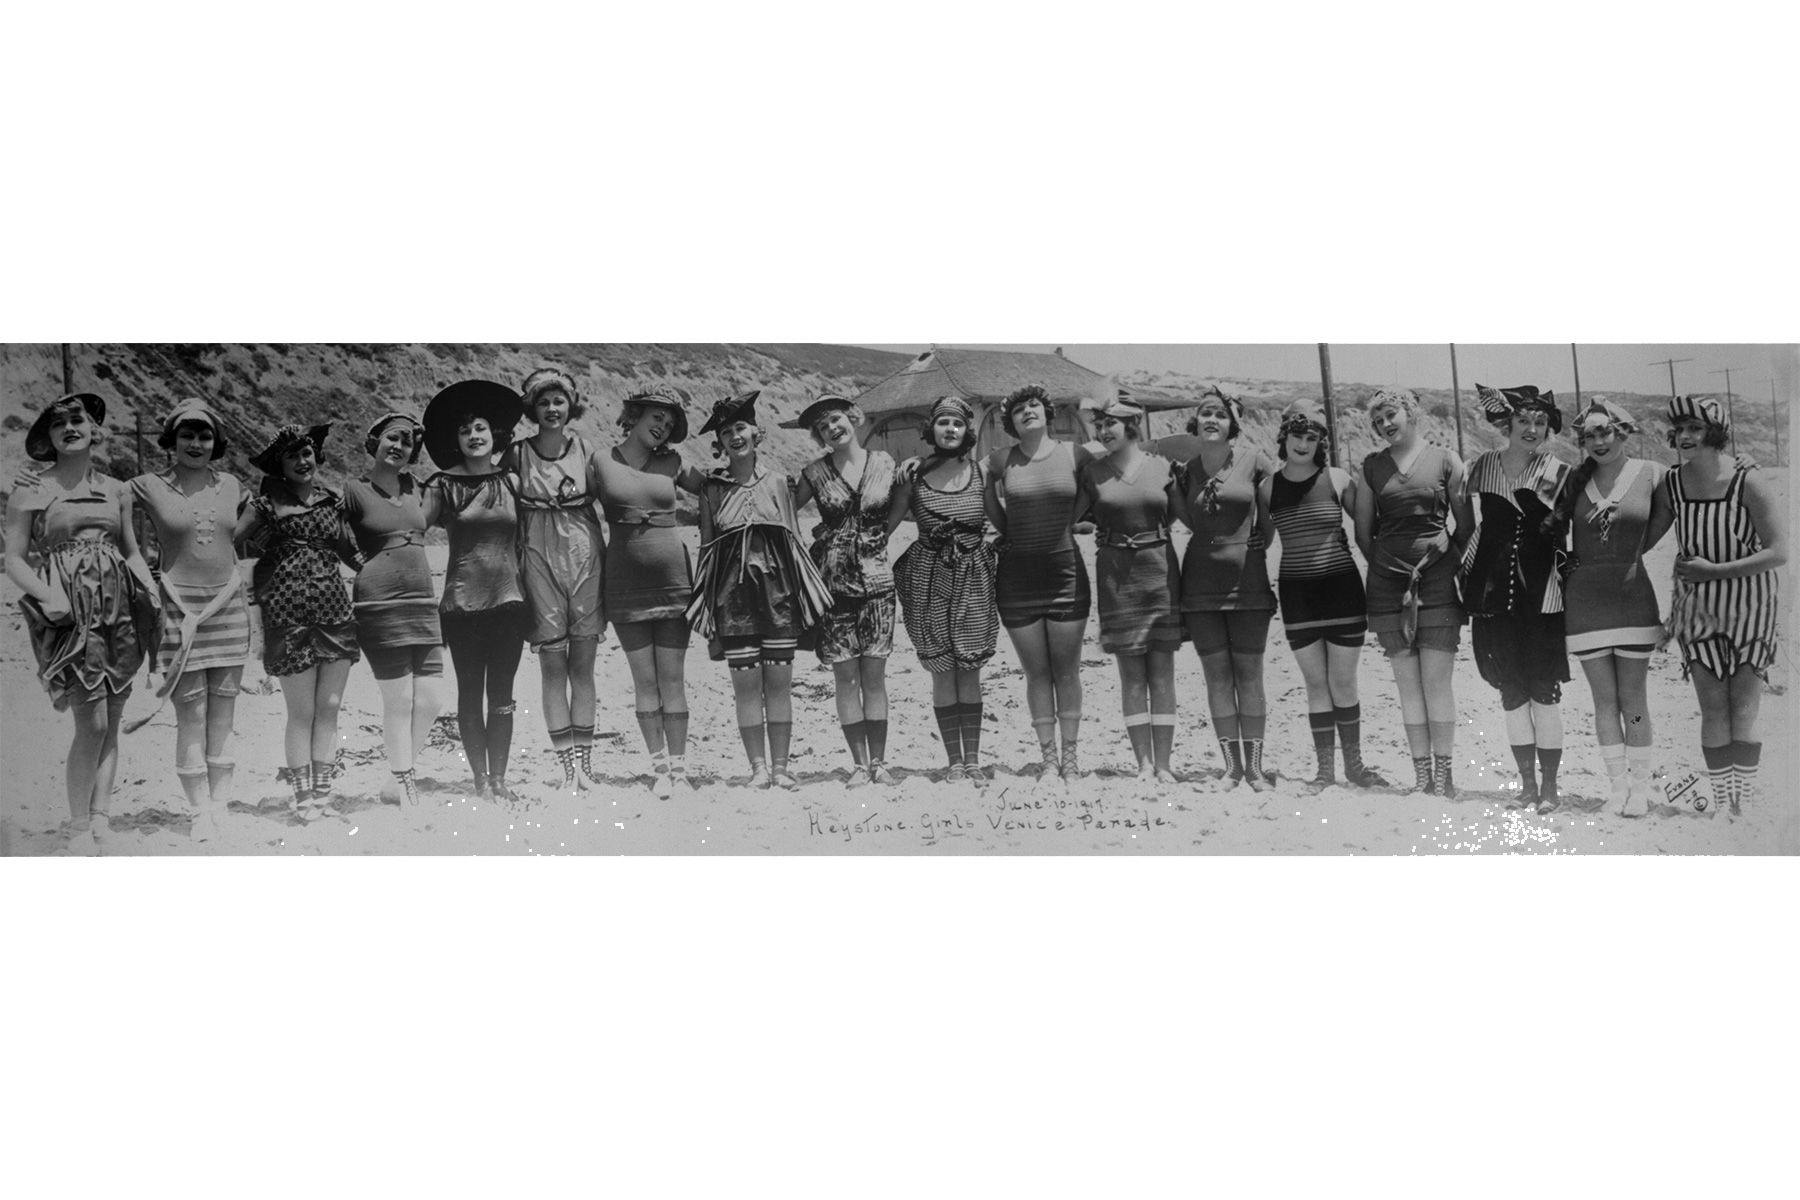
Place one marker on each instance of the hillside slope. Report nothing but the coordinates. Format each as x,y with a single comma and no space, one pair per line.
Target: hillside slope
1264,401
257,387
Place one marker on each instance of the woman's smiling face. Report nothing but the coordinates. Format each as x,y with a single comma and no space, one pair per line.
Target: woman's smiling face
1529,430
1302,445
1390,420
394,444
550,408
193,443
738,439
475,439
835,429
654,427
1601,439
70,428
1213,420
300,464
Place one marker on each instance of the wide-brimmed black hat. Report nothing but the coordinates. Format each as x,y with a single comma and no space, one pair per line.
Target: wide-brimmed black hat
37,438
663,395
268,459
495,403
730,412
828,403
192,412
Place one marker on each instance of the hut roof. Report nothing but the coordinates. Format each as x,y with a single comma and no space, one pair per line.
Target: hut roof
990,375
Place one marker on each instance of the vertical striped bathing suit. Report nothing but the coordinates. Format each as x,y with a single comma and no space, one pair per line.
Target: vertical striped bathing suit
1723,624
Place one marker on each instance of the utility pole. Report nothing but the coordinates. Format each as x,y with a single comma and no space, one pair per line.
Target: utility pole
1456,405
1775,419
68,370
1330,409
1670,363
1729,423
1576,359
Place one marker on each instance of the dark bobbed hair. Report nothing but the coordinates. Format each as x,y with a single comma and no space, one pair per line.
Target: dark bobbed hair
1134,426
1030,391
463,414
166,439
1232,429
1716,437
373,440
1321,452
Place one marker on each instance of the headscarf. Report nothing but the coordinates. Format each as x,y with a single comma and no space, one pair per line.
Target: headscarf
663,395
1398,396
1302,416
1503,404
1615,415
388,418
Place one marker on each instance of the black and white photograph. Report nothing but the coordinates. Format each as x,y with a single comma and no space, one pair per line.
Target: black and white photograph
903,601
852,599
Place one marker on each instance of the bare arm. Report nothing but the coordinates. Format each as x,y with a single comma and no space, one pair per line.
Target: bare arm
18,537
899,509
803,492
1662,510
134,554
1362,512
993,500
1771,527
1460,505
1264,491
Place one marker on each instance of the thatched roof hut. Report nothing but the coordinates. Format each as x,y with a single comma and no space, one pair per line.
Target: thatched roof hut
898,405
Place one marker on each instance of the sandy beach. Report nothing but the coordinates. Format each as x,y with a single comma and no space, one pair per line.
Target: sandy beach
1107,813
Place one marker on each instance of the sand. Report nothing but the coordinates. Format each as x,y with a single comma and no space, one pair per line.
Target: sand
1107,813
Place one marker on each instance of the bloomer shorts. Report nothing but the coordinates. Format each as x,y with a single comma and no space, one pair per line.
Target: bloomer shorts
396,662
1239,630
1348,634
745,651
1429,637
217,681
665,633
857,627
562,609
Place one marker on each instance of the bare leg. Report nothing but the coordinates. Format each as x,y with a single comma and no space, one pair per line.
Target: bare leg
1159,668
328,698
1409,681
1134,700
427,703
396,721
553,663
106,767
190,740
299,691
1065,663
84,758
1341,663
848,681
1032,643
1221,704
581,681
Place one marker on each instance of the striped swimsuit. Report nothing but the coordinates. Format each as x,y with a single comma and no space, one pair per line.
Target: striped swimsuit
1321,590
1722,624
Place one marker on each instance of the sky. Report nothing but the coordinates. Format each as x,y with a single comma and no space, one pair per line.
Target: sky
1627,367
